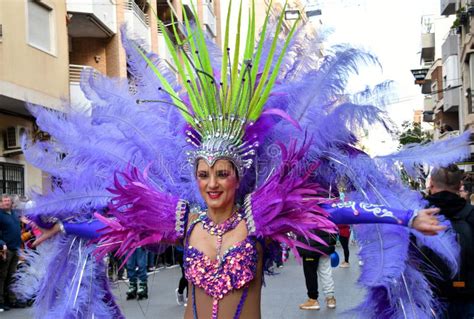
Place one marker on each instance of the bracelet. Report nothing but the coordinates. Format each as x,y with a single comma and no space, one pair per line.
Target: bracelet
412,218
61,227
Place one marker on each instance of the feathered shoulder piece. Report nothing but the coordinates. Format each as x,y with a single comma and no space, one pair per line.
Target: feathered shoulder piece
156,217
289,202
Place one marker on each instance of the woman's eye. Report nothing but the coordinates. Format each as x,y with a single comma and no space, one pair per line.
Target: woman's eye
223,174
202,175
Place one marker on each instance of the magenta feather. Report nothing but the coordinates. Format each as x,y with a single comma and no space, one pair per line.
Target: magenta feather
137,202
288,202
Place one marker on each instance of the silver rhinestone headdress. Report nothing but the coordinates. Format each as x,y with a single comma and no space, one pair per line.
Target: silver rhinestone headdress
224,141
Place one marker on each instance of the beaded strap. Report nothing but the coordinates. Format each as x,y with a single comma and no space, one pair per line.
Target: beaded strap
215,304
182,211
241,302
195,315
248,216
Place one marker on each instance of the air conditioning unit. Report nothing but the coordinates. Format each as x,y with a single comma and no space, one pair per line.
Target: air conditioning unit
13,136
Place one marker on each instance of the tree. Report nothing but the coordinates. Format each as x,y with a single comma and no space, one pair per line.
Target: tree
413,133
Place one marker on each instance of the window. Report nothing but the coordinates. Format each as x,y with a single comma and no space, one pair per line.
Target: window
12,179
40,26
471,83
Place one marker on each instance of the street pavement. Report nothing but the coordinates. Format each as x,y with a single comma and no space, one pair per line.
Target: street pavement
280,297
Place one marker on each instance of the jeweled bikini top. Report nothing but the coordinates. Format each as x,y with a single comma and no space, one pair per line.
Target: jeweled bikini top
231,270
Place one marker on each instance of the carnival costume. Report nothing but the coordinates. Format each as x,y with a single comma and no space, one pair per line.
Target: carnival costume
280,114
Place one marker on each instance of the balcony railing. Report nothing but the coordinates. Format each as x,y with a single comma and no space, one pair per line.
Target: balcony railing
138,24
428,104
75,71
76,96
428,47
450,46
451,100
209,19
448,134
132,6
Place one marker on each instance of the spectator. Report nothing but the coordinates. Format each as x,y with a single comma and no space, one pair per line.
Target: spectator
457,292
166,259
136,270
344,235
10,242
115,267
151,261
316,264
183,282
464,192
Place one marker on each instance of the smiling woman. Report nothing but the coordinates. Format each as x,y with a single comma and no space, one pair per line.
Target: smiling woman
124,176
218,185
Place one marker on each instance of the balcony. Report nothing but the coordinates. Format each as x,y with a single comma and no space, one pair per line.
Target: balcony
448,134
450,46
76,96
209,19
428,104
451,100
138,24
427,47
164,52
428,116
91,19
448,7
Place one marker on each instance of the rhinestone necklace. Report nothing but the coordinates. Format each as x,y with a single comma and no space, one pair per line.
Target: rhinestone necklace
220,229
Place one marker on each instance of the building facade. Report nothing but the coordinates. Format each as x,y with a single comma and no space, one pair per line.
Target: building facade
446,78
33,69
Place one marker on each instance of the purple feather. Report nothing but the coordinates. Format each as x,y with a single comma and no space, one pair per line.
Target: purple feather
80,288
444,245
437,153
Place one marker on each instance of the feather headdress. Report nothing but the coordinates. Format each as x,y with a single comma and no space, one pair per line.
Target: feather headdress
223,103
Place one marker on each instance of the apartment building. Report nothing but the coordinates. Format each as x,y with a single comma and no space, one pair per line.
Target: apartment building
34,69
46,44
438,76
449,80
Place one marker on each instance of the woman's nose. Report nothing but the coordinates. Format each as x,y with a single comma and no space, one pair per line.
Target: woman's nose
213,181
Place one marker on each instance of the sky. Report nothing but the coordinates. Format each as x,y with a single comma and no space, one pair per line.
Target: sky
392,31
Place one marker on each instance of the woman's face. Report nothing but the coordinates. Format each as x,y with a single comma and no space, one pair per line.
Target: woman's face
217,184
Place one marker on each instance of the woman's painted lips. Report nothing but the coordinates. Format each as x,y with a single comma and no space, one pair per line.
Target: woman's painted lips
214,195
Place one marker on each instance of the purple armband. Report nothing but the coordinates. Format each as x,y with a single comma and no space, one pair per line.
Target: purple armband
43,221
363,213
87,230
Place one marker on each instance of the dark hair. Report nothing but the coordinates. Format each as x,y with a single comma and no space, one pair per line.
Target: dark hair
448,177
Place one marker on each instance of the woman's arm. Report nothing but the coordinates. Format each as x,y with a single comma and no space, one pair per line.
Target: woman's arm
86,230
138,215
423,220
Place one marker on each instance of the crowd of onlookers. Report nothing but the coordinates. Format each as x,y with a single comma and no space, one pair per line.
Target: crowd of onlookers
14,235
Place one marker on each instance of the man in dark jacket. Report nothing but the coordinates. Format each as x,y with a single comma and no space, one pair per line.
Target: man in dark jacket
318,264
457,292
10,242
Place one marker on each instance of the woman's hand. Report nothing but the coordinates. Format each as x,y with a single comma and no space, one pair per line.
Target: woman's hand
47,234
427,223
